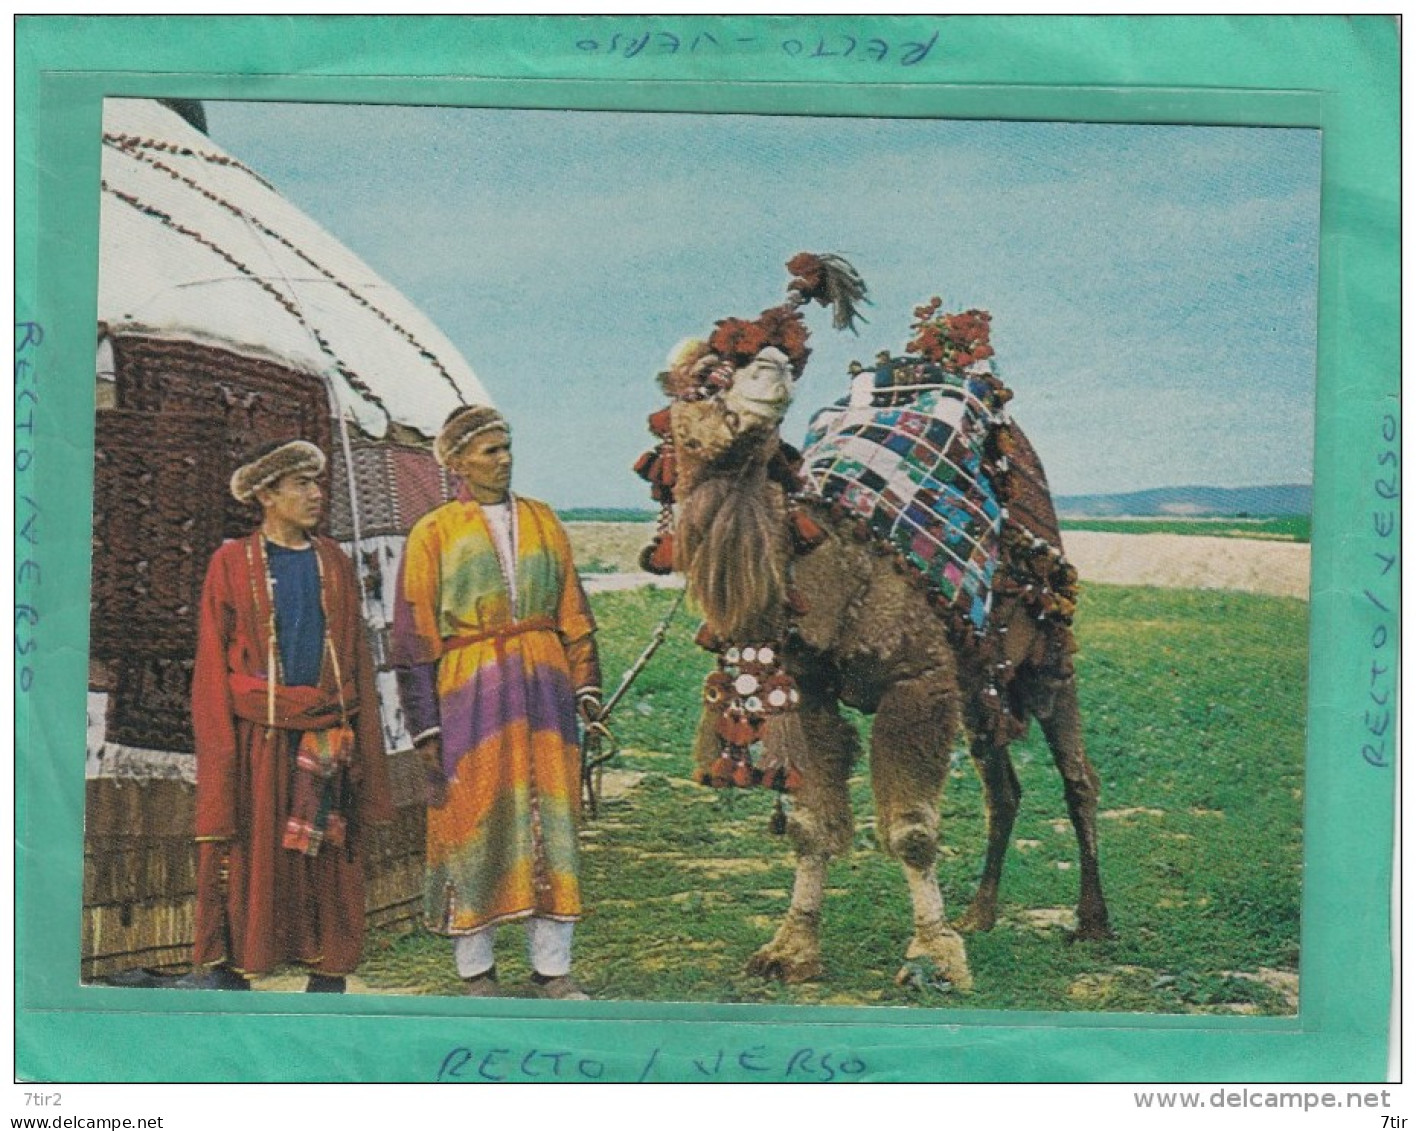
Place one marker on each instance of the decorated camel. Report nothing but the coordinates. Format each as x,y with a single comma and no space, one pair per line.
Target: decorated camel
907,563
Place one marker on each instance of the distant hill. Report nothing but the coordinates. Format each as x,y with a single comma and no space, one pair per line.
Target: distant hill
1173,502
1193,502
606,514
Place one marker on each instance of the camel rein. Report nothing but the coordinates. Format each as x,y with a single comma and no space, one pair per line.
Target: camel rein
598,744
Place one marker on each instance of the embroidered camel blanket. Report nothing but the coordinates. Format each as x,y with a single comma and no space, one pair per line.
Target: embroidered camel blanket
912,473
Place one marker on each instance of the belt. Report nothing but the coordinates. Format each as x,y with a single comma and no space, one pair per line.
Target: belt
500,635
295,707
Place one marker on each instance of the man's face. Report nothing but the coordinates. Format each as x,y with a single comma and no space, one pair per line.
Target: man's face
295,500
484,464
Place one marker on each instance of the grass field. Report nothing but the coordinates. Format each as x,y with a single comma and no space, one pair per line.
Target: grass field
608,541
1286,528
1194,708
607,514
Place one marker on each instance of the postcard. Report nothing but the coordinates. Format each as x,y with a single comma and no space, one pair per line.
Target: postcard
885,582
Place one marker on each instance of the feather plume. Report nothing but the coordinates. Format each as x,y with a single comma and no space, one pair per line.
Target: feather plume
833,282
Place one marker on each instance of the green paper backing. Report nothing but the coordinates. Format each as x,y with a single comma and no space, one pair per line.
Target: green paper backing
1336,73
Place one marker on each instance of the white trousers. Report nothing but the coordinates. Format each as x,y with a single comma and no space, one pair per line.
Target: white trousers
547,946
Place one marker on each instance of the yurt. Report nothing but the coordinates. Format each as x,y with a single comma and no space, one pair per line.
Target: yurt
226,318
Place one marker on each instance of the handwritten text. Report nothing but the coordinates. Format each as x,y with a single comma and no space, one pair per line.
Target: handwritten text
651,42
28,338
495,1065
1378,740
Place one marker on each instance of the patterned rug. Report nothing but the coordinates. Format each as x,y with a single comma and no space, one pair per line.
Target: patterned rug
912,474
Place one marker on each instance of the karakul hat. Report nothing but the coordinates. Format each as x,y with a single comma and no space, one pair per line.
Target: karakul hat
272,464
462,425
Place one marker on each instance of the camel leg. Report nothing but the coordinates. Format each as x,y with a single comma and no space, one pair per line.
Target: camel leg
1002,795
1063,729
794,954
909,759
820,826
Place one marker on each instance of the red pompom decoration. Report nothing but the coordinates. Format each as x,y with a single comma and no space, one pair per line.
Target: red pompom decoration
807,533
660,423
658,556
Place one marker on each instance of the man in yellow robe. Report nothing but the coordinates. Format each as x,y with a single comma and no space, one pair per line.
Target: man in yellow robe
494,644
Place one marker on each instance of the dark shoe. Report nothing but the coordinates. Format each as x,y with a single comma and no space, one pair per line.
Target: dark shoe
142,979
325,984
484,985
217,978
562,988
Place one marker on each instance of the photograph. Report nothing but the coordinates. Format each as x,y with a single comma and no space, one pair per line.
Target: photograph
848,562
655,549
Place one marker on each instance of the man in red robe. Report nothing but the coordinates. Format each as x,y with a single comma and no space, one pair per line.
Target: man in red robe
290,761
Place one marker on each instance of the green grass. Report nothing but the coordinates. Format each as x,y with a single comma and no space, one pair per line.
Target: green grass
1194,707
607,514
1286,528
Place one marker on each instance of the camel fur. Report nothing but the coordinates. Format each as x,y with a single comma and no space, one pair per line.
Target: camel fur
855,629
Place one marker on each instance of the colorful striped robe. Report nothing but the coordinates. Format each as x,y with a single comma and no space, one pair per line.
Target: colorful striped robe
499,674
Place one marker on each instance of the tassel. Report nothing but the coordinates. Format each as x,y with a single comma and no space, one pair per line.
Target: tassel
783,744
659,468
666,473
660,423
737,731
807,533
777,826
658,556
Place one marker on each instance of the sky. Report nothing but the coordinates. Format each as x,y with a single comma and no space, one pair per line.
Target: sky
1153,288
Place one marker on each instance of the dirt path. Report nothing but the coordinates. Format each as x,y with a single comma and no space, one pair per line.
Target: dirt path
608,554
613,582
1191,561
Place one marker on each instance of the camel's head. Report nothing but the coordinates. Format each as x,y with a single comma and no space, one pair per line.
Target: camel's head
762,390
726,409
731,391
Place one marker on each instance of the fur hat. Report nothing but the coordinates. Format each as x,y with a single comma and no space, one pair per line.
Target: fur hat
462,425
270,464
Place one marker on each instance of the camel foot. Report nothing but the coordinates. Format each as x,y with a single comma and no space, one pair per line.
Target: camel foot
1093,932
978,918
793,955
944,947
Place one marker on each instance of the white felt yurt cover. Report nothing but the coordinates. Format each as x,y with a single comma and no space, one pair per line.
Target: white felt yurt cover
198,246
